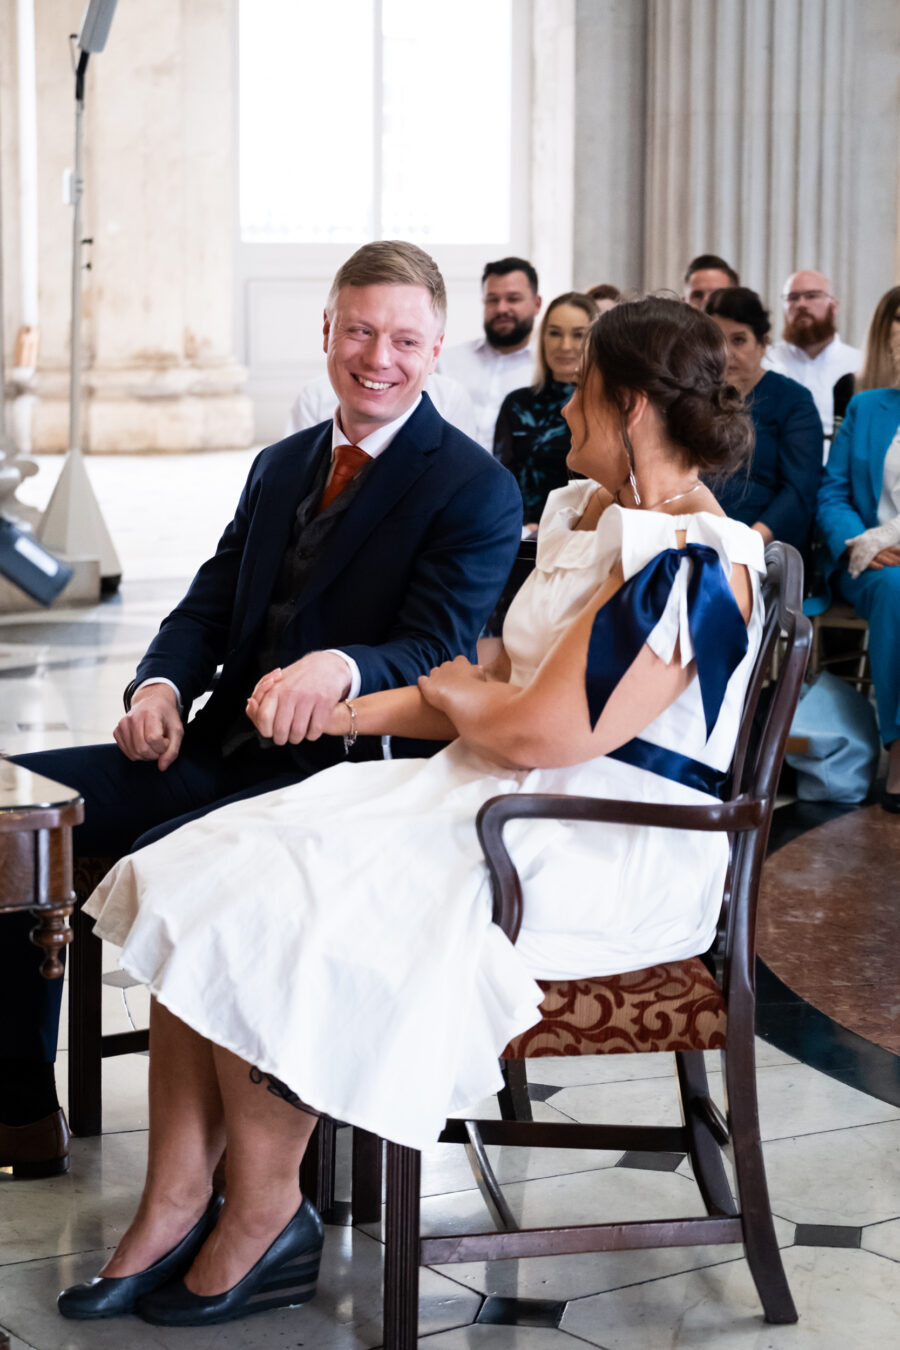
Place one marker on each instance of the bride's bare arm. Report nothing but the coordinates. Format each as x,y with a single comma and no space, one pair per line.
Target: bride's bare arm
499,669
547,724
396,712
404,711
393,712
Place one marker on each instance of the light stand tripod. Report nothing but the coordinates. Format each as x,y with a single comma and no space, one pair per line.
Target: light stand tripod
73,523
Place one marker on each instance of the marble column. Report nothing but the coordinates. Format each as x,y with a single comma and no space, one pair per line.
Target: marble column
552,143
610,103
159,205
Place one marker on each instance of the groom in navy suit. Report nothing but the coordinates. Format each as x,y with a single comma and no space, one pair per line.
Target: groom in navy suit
362,553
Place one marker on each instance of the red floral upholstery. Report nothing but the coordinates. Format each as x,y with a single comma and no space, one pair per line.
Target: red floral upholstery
677,1006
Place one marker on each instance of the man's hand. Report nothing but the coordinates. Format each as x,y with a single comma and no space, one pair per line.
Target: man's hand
295,704
152,729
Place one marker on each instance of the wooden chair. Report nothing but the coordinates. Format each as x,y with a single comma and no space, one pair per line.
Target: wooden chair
684,1007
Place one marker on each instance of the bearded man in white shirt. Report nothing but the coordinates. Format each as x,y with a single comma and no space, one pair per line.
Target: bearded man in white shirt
493,366
810,351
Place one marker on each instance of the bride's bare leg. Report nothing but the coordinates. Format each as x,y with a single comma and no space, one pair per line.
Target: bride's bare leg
267,1137
187,1135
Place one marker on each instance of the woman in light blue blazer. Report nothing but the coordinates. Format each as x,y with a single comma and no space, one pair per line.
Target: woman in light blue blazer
858,514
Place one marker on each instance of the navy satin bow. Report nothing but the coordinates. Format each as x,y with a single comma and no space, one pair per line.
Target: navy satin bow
715,623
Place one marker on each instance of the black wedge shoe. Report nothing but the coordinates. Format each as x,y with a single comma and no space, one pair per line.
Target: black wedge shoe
108,1296
283,1277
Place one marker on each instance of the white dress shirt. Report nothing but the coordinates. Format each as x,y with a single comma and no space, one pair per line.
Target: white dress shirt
819,374
489,374
374,445
316,403
889,501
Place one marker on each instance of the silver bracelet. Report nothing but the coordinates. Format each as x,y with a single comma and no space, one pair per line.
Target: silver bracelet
350,738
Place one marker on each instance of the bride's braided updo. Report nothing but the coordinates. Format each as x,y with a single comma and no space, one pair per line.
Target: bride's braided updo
676,356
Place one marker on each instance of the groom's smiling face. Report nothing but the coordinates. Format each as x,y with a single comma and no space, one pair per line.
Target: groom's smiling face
382,343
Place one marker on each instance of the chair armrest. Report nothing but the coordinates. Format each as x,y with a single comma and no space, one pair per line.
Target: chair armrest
744,813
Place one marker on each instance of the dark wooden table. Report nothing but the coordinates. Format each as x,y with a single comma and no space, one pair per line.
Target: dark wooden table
36,819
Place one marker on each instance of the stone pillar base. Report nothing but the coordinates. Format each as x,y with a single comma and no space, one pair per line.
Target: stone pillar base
147,410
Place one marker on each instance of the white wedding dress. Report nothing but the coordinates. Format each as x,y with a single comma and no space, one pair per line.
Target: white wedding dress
337,934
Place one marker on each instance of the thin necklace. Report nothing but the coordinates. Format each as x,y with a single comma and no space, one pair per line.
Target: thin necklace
678,495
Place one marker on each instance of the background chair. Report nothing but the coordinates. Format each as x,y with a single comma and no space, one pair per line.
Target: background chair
685,1007
852,662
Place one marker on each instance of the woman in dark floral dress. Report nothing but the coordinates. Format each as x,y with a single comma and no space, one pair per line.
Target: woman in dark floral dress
531,437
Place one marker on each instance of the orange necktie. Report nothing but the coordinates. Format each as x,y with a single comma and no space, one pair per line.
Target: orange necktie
348,460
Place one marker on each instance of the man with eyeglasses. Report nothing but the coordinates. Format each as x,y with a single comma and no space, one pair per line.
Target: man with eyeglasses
810,351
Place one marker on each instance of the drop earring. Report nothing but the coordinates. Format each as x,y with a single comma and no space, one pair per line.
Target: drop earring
629,451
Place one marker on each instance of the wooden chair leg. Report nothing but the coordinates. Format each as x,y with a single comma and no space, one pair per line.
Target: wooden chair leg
515,1103
365,1198
317,1168
486,1180
85,1027
704,1150
401,1252
760,1242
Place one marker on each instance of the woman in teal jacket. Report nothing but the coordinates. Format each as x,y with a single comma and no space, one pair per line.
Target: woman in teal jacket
858,514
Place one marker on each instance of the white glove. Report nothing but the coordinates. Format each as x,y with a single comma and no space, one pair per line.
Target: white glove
864,547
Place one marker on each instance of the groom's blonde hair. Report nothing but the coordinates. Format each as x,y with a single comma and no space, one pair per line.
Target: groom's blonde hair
391,262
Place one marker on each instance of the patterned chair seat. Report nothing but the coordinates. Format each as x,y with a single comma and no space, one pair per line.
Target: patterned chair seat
674,1006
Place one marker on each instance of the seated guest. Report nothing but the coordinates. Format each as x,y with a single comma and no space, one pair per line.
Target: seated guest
493,366
330,947
604,296
810,350
777,495
317,401
361,554
858,515
881,357
531,437
706,274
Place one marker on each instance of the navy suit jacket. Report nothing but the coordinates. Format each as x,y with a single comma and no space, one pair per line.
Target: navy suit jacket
780,484
405,580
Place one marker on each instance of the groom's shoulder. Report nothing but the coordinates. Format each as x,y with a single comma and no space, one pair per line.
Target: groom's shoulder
458,455
298,447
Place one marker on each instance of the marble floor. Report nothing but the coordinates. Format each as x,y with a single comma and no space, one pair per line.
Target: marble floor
831,1140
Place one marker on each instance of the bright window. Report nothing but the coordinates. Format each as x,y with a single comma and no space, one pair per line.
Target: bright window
369,119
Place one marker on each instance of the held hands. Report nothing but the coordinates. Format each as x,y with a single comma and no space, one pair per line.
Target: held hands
875,548
445,684
298,702
153,728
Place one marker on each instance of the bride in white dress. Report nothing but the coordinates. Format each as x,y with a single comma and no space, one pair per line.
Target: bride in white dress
329,947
